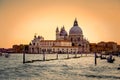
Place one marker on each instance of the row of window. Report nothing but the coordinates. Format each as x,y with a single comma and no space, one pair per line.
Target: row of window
52,44
78,39
54,49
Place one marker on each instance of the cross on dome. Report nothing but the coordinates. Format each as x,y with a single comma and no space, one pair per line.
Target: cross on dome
75,22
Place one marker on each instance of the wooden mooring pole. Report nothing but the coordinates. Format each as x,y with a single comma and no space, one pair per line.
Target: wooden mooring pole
43,55
75,54
95,59
57,55
23,55
67,55
81,53
25,50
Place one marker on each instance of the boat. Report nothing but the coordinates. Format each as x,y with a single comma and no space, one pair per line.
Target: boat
110,59
102,57
6,55
118,68
0,53
119,54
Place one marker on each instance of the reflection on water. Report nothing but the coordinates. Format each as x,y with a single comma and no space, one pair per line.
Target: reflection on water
82,68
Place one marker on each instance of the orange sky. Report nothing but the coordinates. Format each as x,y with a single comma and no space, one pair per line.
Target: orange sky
21,19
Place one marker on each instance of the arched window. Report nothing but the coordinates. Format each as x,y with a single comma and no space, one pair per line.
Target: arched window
32,50
33,43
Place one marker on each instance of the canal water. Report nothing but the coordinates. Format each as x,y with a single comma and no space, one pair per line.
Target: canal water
82,68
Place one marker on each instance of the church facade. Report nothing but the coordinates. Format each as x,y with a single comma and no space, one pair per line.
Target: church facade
74,42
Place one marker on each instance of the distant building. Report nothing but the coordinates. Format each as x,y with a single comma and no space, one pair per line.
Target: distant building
72,43
6,50
104,46
118,46
112,46
20,48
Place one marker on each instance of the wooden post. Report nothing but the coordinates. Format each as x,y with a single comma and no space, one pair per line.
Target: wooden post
43,54
82,50
95,59
71,53
101,56
23,55
81,53
57,55
75,54
67,55
25,50
86,53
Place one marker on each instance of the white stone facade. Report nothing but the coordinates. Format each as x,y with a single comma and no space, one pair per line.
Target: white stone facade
75,36
64,43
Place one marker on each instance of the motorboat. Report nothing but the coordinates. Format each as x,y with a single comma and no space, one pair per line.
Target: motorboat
110,59
102,57
6,55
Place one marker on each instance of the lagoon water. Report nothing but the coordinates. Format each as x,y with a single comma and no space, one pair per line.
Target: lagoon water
82,68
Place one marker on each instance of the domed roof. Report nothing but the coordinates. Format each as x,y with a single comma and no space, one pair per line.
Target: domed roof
63,32
76,30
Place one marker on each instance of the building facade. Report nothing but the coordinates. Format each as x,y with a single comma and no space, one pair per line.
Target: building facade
104,46
74,42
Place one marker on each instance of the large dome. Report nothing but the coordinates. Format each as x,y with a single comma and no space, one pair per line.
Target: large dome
75,30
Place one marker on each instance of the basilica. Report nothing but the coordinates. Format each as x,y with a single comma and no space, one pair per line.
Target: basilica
72,42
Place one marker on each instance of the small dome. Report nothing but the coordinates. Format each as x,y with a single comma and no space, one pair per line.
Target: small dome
76,30
63,32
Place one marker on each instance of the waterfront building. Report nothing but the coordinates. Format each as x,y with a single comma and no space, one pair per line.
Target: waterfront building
112,46
104,46
74,42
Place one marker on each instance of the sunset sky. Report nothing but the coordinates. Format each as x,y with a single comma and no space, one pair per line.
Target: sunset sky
21,19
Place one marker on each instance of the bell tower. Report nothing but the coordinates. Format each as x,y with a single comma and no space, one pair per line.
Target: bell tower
57,33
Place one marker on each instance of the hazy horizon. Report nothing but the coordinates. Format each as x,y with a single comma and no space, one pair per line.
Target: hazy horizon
21,19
